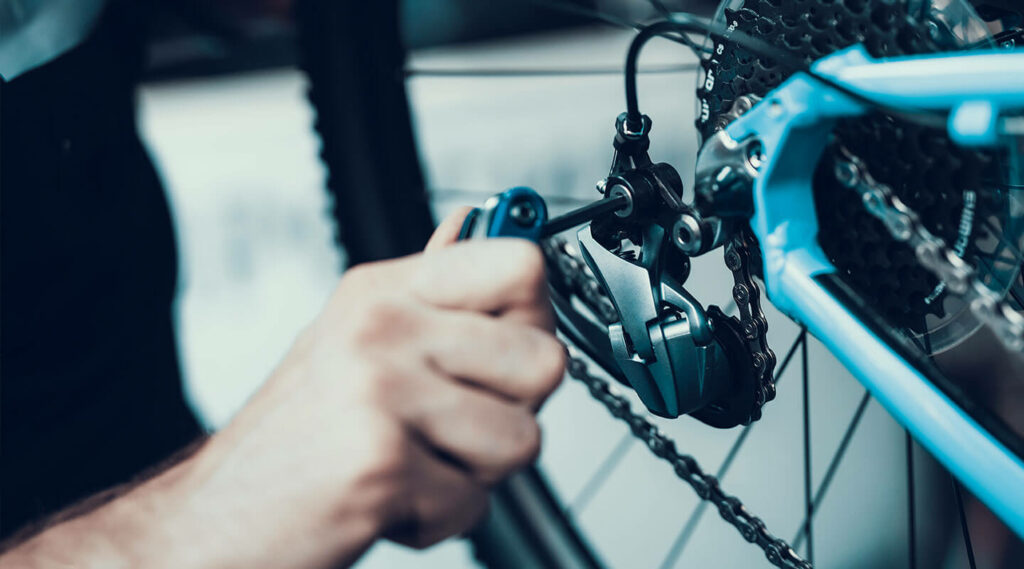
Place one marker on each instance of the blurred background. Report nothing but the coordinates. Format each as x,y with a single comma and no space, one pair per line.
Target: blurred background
496,99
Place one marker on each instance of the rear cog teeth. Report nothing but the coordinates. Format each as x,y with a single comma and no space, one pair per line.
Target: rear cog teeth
883,272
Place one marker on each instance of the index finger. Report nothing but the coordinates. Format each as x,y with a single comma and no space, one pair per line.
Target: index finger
501,276
448,230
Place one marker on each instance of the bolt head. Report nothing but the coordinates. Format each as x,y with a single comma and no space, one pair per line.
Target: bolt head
755,155
523,213
686,233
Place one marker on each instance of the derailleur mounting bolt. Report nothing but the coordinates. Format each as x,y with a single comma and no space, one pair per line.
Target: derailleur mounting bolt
687,234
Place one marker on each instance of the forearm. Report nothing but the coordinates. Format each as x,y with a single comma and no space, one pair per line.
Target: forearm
127,526
205,509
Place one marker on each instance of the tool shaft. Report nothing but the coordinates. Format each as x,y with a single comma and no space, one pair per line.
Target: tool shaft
582,215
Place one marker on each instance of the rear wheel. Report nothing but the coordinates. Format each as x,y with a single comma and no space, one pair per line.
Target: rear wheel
382,215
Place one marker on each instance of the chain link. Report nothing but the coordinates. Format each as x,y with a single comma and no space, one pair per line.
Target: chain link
753,323
732,510
959,277
569,271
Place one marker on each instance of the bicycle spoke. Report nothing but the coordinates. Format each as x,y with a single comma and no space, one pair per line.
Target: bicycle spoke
963,523
833,465
999,283
996,232
801,338
1017,298
991,260
681,541
1005,185
598,478
660,7
578,10
912,336
911,513
1012,292
542,72
808,503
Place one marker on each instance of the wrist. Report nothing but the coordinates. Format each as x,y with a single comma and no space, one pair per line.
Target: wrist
234,504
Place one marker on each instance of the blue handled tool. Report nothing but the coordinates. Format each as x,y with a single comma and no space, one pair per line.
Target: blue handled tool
521,212
517,212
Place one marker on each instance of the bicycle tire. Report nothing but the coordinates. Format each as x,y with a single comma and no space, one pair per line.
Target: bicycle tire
352,55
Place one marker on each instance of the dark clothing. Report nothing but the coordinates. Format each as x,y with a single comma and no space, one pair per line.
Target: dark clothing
89,377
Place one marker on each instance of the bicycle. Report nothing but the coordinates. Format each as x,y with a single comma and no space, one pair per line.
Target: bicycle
748,170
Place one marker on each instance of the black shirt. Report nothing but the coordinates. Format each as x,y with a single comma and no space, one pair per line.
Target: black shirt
89,377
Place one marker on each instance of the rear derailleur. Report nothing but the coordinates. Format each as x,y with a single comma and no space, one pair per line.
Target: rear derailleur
680,357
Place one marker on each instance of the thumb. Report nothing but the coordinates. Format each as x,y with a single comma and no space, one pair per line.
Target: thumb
448,231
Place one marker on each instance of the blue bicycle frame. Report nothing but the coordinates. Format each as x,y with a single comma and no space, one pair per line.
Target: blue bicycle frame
793,124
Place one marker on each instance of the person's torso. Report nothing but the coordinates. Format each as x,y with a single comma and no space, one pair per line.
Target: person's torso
90,382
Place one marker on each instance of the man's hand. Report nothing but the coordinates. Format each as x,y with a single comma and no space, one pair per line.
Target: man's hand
411,394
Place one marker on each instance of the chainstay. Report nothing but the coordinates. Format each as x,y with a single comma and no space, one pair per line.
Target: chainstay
573,274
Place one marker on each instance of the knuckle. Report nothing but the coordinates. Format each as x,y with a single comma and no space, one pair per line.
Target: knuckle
384,383
381,322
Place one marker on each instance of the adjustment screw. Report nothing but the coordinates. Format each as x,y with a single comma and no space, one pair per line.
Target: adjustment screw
523,213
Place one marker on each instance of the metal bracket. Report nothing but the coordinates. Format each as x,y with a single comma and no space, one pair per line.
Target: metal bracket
662,341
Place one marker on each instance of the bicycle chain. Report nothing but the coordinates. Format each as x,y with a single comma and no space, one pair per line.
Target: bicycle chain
753,323
575,274
931,251
745,292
